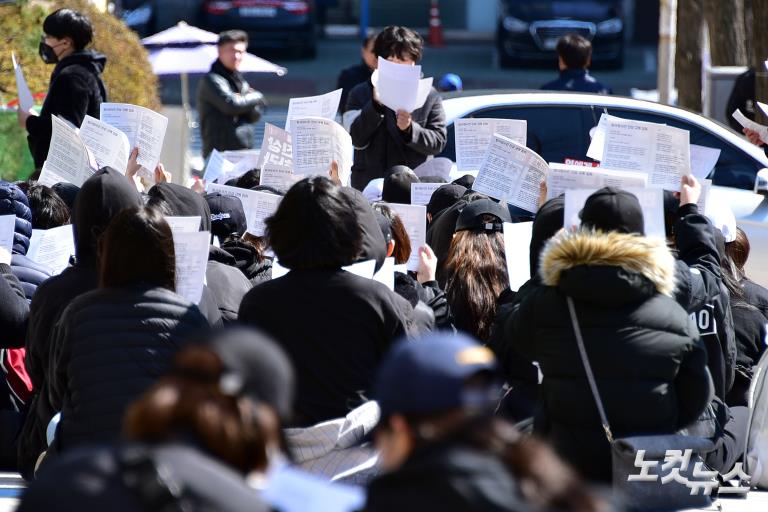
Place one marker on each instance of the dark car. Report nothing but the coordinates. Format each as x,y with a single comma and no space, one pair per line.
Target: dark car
147,17
271,24
528,30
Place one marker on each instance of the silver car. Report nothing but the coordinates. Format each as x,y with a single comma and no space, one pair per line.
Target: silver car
559,127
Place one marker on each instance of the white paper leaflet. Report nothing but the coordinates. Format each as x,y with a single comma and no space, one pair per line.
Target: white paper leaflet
276,149
184,224
191,261
703,160
414,219
748,123
52,247
324,105
421,193
144,128
216,167
26,101
400,86
511,172
68,159
562,177
364,269
386,274
108,145
474,135
440,167
316,143
7,224
517,240
256,205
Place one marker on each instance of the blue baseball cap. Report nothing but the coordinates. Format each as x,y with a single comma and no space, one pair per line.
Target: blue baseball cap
429,375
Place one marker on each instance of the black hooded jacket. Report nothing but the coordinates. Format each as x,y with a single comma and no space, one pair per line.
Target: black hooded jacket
124,478
226,285
75,89
449,479
644,349
244,257
701,292
103,195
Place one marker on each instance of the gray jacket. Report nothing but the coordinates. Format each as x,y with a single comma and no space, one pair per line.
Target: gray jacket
227,106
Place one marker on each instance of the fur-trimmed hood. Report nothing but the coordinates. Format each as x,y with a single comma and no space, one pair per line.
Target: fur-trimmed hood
648,257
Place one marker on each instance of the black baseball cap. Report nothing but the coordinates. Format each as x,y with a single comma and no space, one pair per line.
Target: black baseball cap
255,367
445,197
471,217
227,215
397,185
613,209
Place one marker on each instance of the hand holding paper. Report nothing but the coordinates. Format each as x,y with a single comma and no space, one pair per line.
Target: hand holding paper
400,86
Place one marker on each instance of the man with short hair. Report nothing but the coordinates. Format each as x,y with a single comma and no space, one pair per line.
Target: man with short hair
574,57
226,103
382,137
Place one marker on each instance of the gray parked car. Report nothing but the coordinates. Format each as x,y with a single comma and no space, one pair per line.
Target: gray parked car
559,125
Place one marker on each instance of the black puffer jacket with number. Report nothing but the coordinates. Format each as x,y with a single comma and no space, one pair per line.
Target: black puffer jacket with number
643,347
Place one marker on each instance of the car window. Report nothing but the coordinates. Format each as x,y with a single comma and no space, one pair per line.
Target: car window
734,167
555,132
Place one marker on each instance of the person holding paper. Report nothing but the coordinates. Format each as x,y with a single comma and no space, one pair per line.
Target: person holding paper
226,103
112,343
422,291
650,367
102,197
225,285
574,56
246,253
334,325
475,268
382,137
76,88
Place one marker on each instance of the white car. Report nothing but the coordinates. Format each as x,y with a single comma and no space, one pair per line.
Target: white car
559,125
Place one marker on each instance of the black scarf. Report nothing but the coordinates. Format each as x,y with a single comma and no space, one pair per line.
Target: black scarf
235,78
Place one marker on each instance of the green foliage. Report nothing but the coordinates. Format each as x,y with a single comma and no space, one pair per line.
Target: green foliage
128,75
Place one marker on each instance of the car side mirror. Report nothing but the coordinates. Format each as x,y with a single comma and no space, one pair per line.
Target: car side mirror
761,182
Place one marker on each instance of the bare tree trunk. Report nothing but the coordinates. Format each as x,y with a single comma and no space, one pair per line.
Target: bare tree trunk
727,32
760,55
690,16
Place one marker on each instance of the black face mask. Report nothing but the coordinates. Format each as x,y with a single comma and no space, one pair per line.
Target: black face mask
47,53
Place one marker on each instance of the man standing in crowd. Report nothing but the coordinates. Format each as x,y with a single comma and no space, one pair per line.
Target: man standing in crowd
359,73
75,89
382,137
226,103
574,57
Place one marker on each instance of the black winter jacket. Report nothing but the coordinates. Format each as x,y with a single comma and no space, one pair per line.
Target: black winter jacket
95,479
644,350
75,89
245,258
701,292
14,310
111,345
227,106
102,196
335,327
349,78
379,143
449,479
